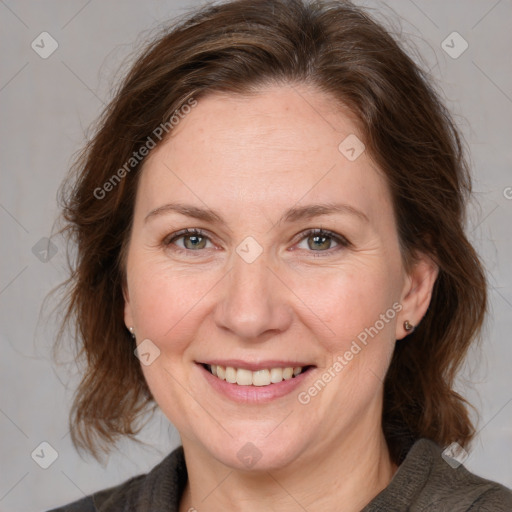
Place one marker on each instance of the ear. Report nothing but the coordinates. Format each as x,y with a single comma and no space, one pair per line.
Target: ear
416,292
128,316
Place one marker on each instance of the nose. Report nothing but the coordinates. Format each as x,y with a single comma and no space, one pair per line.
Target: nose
254,302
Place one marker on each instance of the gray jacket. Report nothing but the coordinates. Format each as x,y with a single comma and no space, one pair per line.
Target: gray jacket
424,482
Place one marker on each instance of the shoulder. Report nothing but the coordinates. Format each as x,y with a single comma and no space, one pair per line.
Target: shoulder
156,491
109,499
451,485
428,480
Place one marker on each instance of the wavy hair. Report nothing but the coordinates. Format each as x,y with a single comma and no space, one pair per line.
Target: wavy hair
237,47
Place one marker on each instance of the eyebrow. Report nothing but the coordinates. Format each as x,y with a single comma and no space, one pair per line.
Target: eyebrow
293,214
204,214
316,210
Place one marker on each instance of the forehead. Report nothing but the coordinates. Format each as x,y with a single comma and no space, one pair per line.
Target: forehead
264,151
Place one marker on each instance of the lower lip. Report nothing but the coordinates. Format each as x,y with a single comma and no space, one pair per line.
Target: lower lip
253,394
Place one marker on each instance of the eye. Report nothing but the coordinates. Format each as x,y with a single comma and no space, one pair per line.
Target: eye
192,239
320,240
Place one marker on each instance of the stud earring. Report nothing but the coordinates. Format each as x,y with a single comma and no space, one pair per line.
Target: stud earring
408,326
131,332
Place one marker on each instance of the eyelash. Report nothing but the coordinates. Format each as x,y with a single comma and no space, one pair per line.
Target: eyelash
180,234
339,239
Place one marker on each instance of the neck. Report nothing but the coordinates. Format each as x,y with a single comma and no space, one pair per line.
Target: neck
352,473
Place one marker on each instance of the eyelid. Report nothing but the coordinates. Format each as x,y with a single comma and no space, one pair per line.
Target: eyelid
341,240
169,239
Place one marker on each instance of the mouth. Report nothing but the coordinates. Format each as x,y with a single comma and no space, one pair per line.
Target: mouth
259,378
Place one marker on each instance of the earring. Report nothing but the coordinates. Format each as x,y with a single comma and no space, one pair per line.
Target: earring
131,332
408,327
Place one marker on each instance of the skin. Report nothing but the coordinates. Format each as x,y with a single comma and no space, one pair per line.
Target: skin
250,158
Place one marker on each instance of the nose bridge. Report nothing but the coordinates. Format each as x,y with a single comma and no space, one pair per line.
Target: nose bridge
246,277
253,301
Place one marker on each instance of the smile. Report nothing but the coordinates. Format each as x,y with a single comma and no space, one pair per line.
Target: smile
256,383
263,377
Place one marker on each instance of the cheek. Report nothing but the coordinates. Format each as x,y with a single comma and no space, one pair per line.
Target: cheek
164,301
350,304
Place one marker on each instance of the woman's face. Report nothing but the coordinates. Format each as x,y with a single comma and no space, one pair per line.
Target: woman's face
254,291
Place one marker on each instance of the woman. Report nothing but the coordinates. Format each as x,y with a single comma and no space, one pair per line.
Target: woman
270,247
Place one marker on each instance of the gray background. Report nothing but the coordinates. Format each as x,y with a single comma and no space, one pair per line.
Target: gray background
46,106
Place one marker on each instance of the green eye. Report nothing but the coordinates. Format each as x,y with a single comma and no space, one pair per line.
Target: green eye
319,240
193,240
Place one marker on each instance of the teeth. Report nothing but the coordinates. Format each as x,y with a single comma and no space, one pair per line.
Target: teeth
244,377
231,375
287,373
260,378
276,375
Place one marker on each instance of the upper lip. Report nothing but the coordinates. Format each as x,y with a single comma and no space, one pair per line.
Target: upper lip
255,366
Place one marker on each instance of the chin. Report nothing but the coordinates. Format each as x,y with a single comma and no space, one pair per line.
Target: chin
257,453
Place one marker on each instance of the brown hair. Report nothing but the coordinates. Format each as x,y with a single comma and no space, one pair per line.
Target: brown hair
237,47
